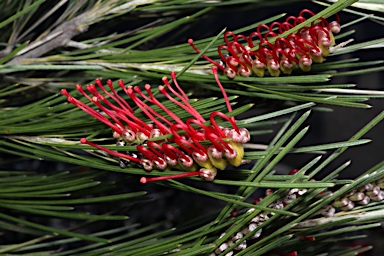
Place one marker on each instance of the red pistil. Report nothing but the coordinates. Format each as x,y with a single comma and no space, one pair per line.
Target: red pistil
153,100
171,150
154,147
232,60
142,103
188,147
120,100
151,156
176,127
187,106
144,107
134,125
123,112
190,42
259,33
146,152
130,113
90,111
173,75
229,107
226,37
222,115
111,152
80,89
116,114
175,176
122,103
198,135
110,113
219,143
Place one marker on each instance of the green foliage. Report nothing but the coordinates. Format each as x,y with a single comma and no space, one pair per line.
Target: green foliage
49,45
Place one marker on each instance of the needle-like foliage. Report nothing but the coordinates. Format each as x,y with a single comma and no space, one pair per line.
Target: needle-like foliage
62,197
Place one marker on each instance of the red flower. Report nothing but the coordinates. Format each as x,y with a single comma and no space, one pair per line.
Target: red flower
184,150
300,49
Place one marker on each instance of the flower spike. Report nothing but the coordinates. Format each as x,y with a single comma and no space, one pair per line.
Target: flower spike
190,42
309,44
182,148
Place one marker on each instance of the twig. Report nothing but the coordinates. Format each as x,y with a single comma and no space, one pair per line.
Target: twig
362,216
58,37
63,34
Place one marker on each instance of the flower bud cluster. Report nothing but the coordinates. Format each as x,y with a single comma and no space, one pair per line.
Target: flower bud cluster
193,144
243,56
259,219
361,196
245,230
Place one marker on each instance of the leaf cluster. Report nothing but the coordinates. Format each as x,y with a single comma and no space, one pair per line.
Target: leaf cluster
48,45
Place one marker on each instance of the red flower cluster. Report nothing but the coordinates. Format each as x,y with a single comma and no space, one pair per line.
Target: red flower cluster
242,56
197,146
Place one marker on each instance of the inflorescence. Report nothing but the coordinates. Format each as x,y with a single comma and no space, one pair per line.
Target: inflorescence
243,56
373,191
197,146
252,229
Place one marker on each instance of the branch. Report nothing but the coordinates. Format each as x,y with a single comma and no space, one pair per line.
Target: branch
63,34
361,216
56,38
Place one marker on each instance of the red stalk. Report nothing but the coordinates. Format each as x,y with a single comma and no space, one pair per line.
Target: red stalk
229,107
162,127
123,104
117,112
90,111
111,152
154,101
190,42
222,115
187,107
169,177
173,75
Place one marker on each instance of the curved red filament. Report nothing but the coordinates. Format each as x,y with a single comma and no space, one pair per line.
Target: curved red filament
190,41
169,177
109,151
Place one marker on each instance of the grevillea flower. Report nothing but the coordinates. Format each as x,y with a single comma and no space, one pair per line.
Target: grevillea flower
243,55
196,145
